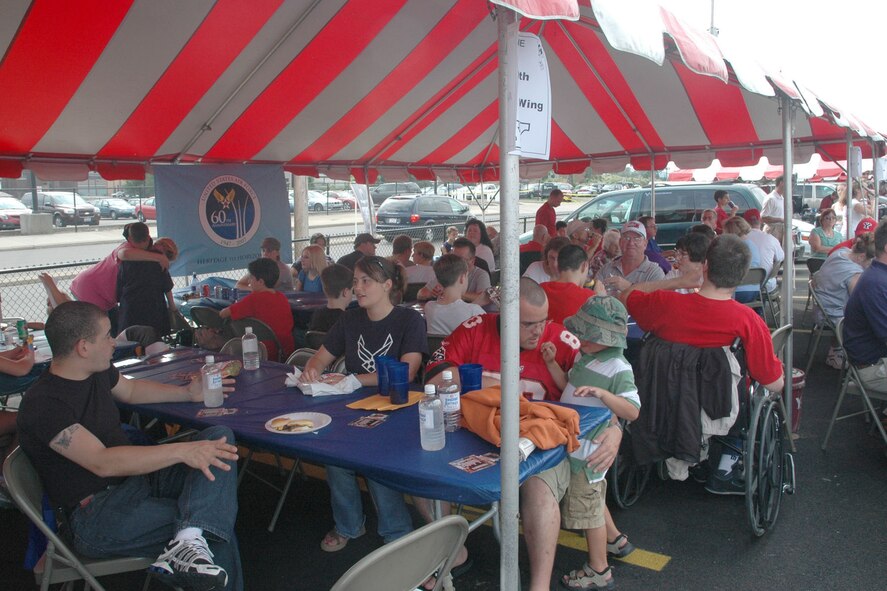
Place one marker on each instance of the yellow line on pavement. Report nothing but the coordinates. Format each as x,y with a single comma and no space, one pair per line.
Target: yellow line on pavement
641,558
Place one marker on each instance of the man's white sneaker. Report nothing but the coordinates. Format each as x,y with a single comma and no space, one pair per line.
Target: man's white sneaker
189,563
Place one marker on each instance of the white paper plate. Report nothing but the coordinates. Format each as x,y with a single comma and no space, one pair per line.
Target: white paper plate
319,419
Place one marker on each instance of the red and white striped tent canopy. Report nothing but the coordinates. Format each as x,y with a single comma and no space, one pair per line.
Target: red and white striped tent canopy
370,87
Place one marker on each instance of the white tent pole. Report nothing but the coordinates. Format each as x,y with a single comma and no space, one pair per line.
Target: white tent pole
507,24
653,187
788,270
300,214
849,204
877,179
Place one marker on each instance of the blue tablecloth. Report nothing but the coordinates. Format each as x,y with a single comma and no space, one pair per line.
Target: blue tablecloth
302,303
389,453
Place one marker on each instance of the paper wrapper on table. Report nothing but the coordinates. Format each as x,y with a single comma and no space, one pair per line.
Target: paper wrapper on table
346,385
525,447
546,425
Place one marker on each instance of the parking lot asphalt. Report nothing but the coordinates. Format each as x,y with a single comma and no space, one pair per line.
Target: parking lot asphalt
830,534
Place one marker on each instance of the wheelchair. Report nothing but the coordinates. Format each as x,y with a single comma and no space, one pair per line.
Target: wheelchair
767,464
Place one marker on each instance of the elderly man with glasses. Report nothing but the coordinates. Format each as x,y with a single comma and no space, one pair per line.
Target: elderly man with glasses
633,266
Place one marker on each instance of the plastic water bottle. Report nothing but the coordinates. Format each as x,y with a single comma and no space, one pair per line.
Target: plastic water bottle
212,383
448,390
250,344
194,281
431,426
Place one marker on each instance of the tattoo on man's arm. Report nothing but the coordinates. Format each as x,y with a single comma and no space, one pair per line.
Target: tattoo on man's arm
64,438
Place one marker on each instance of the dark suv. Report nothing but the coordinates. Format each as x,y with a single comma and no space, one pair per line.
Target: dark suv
678,207
422,217
382,192
66,208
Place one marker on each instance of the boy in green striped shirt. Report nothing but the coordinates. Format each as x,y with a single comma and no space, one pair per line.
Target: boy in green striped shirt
600,377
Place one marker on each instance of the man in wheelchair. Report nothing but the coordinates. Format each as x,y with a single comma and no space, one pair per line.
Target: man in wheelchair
707,320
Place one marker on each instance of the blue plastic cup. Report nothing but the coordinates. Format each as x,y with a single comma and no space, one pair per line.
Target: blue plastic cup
471,376
399,382
382,362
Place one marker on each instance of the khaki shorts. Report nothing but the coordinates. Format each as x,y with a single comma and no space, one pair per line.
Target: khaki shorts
557,479
584,505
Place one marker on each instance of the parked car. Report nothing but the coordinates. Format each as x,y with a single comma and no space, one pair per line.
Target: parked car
349,202
448,189
812,194
318,201
380,193
678,208
65,207
11,210
146,210
424,217
543,190
114,208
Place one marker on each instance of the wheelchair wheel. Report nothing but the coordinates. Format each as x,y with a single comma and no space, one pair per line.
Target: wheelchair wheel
764,464
626,479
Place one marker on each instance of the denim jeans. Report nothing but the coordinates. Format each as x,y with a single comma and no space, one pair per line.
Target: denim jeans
394,517
143,513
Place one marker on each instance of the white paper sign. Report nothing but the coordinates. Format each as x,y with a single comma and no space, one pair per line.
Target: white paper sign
365,204
533,120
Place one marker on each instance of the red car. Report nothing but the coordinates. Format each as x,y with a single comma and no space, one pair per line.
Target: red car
10,211
146,210
347,199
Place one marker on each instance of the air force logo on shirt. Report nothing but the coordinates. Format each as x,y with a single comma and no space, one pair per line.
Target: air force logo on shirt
367,357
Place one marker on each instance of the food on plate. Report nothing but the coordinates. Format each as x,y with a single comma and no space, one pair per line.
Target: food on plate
291,425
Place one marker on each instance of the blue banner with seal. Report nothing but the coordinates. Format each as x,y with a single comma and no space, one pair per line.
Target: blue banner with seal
219,215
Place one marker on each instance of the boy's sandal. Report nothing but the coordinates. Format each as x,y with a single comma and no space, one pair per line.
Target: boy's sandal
587,579
618,549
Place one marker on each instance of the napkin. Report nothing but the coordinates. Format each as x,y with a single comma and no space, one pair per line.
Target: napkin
346,385
379,402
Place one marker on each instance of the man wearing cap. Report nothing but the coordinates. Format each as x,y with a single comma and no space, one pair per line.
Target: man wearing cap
633,266
773,211
864,226
546,215
477,341
865,318
364,245
271,250
768,246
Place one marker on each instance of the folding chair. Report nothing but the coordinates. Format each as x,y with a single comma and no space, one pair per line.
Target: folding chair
780,337
825,323
813,265
206,316
772,299
755,276
260,329
234,347
852,384
404,564
411,294
60,564
300,357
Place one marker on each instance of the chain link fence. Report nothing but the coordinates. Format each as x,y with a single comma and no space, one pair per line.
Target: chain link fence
23,295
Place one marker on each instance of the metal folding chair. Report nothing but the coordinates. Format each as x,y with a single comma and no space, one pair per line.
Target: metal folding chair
755,276
314,338
813,265
772,298
234,347
824,323
60,563
404,564
260,329
852,384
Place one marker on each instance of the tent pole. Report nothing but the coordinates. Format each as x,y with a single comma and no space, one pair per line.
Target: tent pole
849,204
507,24
877,179
788,270
653,187
300,214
